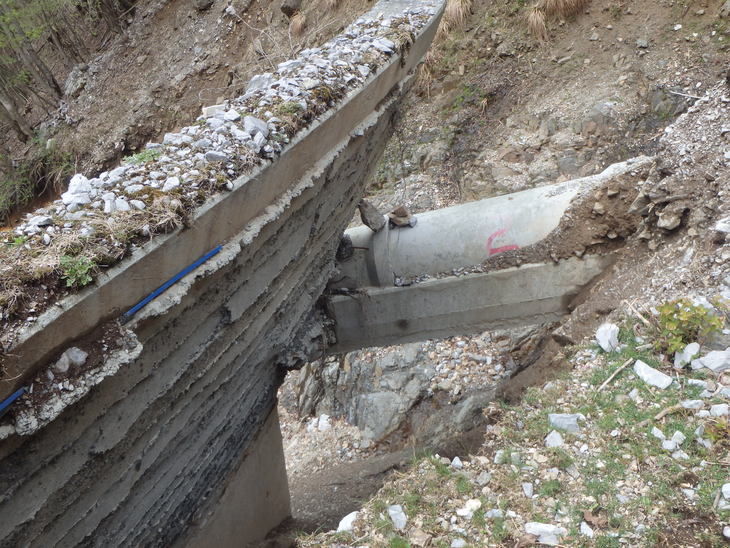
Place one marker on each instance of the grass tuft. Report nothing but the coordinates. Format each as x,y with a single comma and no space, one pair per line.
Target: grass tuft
545,10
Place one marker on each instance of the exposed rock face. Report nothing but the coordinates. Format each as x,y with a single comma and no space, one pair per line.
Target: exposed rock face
374,394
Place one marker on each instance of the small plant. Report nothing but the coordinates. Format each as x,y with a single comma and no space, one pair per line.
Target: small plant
681,322
76,271
143,157
18,241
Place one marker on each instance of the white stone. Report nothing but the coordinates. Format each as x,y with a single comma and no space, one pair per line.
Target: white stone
528,489
568,422
346,524
121,204
687,355
254,126
212,110
719,410
495,513
692,404
137,204
398,516
678,437
652,376
657,433
215,157
607,337
260,82
554,439
726,531
323,423
458,543
717,360
586,530
40,220
231,116
471,506
669,445
726,491
457,464
131,189
170,183
545,532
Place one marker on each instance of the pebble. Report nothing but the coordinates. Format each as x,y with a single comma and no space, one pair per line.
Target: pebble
586,529
457,464
528,489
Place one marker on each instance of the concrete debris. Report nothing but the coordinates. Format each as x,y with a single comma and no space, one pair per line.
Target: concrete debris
71,357
651,376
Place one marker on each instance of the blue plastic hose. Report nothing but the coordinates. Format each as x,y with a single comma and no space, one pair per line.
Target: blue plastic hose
176,278
5,404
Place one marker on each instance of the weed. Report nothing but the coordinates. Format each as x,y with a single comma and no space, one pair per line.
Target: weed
143,157
398,542
550,488
463,486
499,531
560,458
76,271
681,322
442,469
18,241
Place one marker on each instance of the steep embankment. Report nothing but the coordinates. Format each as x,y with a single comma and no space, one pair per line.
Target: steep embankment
630,445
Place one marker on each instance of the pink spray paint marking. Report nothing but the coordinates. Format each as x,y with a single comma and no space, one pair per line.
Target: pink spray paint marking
494,250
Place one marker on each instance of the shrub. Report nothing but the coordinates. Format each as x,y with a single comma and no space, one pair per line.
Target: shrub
681,322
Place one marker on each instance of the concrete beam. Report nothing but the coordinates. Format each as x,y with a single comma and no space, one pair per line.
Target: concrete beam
513,297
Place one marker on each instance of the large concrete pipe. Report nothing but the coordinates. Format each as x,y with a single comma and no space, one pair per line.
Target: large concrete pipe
464,235
382,312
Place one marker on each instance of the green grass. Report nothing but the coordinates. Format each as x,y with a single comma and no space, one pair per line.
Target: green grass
463,485
398,542
550,488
